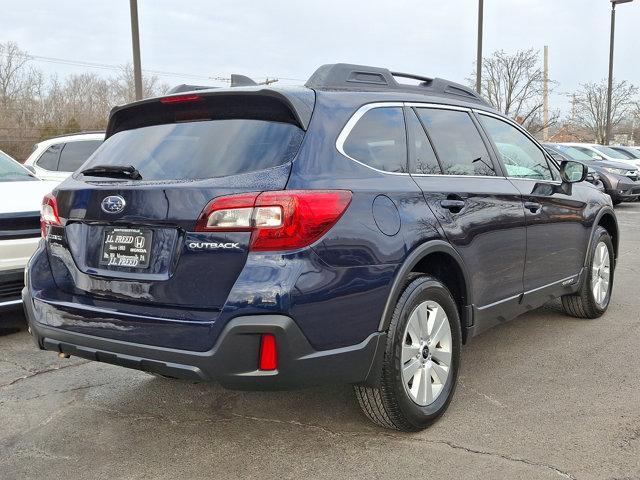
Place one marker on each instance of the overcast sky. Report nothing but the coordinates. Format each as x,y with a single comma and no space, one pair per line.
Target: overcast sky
289,39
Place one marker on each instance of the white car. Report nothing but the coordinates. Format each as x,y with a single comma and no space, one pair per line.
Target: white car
57,158
21,195
601,152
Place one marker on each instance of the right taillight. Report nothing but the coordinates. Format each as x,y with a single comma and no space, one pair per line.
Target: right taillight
278,220
49,214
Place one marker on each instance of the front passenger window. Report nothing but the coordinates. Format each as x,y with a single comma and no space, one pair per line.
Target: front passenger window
520,156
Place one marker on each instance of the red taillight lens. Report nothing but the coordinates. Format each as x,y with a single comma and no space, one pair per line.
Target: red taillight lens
268,352
49,214
281,220
181,98
306,216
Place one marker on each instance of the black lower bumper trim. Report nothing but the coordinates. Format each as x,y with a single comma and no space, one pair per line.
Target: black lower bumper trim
234,358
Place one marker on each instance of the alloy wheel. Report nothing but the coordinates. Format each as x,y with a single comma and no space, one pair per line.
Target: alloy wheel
600,273
426,353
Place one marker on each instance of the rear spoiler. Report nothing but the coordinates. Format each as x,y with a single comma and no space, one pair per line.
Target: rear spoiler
291,105
236,81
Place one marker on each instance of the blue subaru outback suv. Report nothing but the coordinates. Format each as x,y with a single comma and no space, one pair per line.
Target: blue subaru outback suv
355,230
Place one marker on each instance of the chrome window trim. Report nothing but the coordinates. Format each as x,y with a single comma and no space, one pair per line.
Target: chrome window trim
550,182
455,176
346,130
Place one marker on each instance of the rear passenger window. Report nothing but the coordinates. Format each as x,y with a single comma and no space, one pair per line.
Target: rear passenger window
457,142
74,154
49,159
422,158
379,140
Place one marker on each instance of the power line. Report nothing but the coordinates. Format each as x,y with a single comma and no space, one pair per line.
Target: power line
118,68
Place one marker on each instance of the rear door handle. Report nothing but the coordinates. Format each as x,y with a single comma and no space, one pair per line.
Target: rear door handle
532,206
453,205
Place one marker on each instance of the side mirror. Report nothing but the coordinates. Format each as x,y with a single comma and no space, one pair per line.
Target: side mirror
573,172
30,168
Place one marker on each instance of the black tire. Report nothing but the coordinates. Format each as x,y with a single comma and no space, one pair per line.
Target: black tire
583,304
388,404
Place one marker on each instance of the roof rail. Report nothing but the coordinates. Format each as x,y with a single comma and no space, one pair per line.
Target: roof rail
345,76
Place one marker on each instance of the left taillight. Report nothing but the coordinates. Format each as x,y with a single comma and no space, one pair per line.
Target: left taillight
277,220
49,214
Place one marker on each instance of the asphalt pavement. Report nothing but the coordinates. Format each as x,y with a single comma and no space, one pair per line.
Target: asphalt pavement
543,397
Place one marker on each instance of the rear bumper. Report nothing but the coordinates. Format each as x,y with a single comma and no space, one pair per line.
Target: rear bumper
233,359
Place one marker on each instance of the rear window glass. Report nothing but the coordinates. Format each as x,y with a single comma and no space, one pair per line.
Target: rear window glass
76,153
421,155
202,149
457,142
610,152
49,159
379,140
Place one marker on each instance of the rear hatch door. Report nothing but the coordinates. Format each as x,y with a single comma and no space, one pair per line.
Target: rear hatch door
131,237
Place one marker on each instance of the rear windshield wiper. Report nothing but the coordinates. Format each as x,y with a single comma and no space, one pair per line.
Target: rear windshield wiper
115,171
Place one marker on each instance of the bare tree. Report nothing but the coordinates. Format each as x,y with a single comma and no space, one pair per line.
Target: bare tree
514,84
591,107
20,87
123,86
17,78
32,108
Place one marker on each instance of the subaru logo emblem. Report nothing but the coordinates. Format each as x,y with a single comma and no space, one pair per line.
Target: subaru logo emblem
113,204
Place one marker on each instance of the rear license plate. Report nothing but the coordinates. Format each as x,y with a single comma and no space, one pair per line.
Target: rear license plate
126,247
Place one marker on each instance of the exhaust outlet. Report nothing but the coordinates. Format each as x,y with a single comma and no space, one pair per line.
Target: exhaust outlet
63,355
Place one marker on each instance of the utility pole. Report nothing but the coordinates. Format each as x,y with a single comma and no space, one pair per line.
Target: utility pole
545,96
607,136
135,40
479,53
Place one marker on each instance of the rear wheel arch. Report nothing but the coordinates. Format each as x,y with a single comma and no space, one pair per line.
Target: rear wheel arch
607,220
440,260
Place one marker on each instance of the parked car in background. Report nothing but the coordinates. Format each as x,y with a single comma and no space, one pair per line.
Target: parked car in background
630,152
57,158
355,230
592,175
621,180
601,152
21,195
